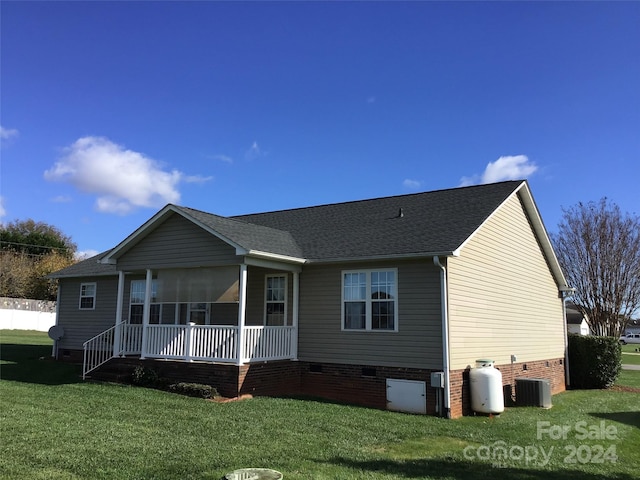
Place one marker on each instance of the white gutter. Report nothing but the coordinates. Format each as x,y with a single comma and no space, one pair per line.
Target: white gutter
445,335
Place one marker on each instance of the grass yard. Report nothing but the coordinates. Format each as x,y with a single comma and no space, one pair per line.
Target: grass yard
631,354
54,426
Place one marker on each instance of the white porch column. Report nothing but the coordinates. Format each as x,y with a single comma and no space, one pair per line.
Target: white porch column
119,303
242,312
146,312
296,299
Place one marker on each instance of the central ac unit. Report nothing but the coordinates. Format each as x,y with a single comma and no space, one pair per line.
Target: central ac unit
533,392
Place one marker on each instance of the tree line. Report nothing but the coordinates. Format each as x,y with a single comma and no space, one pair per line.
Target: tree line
29,251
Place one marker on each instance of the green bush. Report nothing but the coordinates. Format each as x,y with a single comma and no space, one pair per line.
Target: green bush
594,362
144,376
194,390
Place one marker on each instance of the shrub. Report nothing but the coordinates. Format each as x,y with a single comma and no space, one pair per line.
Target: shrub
594,362
194,390
144,376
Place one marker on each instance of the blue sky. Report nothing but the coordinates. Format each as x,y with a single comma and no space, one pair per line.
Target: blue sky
111,110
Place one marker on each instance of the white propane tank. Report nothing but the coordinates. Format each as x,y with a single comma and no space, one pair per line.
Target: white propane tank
486,388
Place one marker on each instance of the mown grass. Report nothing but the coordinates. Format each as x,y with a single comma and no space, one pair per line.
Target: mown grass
53,426
631,354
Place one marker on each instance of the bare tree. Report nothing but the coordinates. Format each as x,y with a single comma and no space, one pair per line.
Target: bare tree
599,250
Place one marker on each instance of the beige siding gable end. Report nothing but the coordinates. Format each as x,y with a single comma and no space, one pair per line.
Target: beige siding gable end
503,295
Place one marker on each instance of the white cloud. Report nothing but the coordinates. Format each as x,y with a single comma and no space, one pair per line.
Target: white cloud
222,158
513,167
84,254
412,184
254,152
3,212
122,179
7,133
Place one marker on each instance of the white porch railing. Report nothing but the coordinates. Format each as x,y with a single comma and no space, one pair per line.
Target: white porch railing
267,343
219,343
98,350
130,339
191,342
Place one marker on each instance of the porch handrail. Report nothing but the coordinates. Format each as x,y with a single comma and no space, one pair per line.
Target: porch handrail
98,350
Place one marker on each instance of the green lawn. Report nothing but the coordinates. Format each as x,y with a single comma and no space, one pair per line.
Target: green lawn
631,354
54,426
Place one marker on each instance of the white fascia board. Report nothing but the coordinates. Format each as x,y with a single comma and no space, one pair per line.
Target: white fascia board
275,256
543,236
272,264
158,218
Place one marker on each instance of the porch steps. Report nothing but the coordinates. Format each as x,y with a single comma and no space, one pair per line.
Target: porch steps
115,370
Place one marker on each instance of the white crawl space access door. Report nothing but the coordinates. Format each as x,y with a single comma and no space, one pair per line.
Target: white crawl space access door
406,396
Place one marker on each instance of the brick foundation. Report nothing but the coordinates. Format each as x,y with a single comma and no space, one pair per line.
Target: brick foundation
71,356
353,384
359,384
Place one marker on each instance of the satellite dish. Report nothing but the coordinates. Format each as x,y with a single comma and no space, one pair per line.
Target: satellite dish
56,332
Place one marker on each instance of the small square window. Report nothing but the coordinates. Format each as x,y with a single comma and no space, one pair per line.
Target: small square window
87,296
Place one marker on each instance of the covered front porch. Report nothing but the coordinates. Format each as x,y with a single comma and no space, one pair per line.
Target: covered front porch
235,314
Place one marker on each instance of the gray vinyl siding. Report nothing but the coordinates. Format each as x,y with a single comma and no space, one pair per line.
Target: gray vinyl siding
175,243
417,343
503,299
81,325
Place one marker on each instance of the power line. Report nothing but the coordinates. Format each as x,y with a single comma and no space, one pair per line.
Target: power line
4,242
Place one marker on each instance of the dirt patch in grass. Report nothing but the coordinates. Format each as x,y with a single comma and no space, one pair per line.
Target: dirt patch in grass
623,388
232,399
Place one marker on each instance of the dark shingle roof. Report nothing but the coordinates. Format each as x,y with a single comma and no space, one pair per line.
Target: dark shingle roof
91,267
248,235
431,222
427,223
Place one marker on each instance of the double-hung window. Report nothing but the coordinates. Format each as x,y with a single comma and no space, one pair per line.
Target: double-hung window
136,308
275,300
369,300
87,296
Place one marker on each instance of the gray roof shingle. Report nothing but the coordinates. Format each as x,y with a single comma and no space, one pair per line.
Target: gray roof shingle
248,235
436,222
431,222
91,267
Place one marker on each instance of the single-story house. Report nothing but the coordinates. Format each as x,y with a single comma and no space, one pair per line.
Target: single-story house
355,302
576,322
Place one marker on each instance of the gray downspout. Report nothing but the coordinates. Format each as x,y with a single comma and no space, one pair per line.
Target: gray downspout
445,335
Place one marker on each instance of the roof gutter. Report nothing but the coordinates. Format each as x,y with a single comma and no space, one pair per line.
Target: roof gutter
446,362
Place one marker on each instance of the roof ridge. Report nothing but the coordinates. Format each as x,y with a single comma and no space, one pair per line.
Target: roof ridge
240,217
234,219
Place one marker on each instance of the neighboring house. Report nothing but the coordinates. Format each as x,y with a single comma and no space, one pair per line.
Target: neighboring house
355,302
576,322
633,326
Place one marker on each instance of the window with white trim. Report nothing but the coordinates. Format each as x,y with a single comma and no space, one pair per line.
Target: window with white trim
136,306
87,296
275,308
369,300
